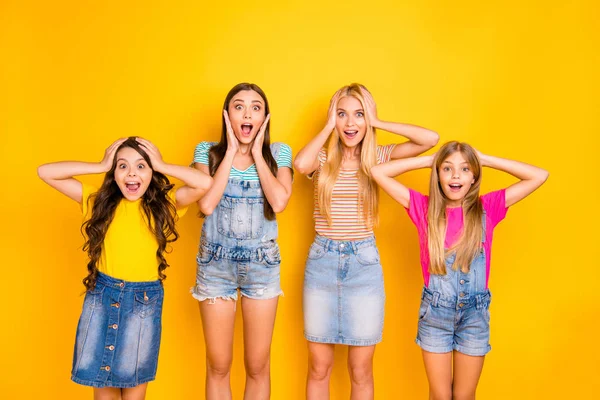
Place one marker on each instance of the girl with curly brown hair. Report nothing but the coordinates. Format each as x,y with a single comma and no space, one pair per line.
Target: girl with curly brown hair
128,223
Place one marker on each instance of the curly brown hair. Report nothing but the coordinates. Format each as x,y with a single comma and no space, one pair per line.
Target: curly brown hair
158,209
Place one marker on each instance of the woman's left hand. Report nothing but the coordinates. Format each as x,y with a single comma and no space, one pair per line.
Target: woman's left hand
482,158
370,105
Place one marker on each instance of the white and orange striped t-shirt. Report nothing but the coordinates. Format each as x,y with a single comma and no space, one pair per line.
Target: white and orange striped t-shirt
346,221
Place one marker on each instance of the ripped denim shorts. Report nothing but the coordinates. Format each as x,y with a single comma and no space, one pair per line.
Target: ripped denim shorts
221,271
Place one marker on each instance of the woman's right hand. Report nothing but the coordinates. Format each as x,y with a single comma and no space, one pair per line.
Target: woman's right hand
233,143
109,154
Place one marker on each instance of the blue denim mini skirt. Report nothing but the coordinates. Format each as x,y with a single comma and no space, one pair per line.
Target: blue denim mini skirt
118,335
344,296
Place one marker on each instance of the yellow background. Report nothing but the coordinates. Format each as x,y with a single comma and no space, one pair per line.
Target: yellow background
515,80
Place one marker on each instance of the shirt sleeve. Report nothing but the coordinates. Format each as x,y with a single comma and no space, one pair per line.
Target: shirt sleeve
322,157
417,208
284,158
180,211
494,204
384,153
201,152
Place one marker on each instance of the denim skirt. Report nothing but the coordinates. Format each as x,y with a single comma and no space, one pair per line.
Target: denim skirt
118,335
343,297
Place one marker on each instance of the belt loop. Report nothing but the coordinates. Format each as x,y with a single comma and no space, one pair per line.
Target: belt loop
260,254
479,299
354,247
218,253
436,297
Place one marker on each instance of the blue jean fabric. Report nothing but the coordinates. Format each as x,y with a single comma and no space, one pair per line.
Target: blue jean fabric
343,292
238,247
454,312
118,335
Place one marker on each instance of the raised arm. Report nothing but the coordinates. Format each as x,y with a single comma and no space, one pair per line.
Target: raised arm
196,182
531,177
277,189
60,175
384,175
419,139
211,199
307,159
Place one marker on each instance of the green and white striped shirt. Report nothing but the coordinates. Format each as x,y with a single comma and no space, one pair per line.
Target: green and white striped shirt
284,159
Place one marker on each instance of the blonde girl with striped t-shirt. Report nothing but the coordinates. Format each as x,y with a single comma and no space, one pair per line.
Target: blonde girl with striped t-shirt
343,282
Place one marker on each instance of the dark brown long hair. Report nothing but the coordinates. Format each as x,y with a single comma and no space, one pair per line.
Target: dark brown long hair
159,212
217,152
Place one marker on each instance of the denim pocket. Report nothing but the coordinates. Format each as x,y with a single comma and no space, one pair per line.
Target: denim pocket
424,310
316,251
146,302
485,312
93,297
271,256
240,218
204,255
368,256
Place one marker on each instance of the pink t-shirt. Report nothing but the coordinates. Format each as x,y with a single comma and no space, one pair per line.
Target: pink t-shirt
494,204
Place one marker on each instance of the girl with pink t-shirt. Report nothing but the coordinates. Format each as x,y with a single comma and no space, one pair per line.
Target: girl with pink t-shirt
455,226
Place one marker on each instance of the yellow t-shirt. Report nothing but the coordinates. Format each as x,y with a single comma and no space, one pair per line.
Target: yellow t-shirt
129,249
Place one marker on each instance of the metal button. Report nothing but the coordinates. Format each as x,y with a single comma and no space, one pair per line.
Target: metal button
117,305
107,368
115,326
121,284
462,281
111,347
342,246
461,305
461,294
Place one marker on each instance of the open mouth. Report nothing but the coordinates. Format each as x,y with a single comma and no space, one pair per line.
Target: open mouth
132,187
350,134
246,129
455,187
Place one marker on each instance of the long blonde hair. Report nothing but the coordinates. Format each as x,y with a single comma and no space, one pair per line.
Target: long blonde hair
469,243
368,190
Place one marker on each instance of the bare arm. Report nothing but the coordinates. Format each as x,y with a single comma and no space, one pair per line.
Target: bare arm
307,159
419,139
196,182
531,177
211,199
384,175
60,175
277,189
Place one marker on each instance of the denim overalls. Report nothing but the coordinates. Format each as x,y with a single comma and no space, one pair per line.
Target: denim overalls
238,247
454,312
